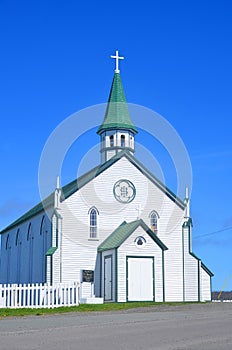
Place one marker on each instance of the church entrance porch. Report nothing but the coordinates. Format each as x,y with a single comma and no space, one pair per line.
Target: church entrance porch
132,264
140,279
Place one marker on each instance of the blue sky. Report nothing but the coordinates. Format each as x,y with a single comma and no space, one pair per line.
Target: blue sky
55,61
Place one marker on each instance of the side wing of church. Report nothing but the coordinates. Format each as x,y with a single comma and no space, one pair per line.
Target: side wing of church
117,223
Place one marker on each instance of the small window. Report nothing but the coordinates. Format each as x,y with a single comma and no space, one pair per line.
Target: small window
93,223
123,141
111,140
154,222
140,241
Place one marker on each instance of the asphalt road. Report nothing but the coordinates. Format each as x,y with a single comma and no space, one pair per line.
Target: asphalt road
201,327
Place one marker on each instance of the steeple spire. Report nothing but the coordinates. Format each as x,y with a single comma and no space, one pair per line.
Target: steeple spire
117,130
117,113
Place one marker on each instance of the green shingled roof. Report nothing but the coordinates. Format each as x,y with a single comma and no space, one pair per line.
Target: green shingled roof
121,233
117,114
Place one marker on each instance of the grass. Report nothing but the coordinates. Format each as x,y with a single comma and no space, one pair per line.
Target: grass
81,308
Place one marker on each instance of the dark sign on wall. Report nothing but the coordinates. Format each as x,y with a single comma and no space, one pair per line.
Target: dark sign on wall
88,276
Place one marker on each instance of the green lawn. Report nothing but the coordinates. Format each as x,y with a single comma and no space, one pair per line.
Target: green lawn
81,308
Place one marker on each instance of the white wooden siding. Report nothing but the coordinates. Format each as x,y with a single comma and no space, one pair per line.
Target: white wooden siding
205,286
26,269
150,249
99,193
76,251
191,269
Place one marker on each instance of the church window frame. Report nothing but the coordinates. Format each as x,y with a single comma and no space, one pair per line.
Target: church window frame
111,140
57,231
8,242
17,237
154,218
43,236
123,141
29,232
42,224
93,223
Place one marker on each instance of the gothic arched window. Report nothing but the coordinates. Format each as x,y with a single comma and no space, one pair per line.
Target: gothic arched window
17,238
8,242
29,232
154,221
93,213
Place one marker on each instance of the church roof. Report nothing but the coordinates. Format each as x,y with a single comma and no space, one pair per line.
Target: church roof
51,251
117,113
77,184
121,233
46,203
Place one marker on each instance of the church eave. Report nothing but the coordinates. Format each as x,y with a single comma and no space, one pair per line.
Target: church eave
37,209
113,126
156,181
206,269
75,185
122,232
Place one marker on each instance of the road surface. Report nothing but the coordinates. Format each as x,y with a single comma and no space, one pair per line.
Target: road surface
187,327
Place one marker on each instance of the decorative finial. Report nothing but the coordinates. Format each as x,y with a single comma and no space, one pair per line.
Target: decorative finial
117,58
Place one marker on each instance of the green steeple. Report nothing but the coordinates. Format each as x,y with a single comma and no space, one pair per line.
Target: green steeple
117,113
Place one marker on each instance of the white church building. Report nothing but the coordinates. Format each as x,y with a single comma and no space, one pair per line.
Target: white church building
125,256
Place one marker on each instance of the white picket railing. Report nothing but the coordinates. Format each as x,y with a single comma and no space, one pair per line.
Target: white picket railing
39,295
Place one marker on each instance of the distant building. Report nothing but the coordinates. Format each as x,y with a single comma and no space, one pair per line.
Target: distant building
131,251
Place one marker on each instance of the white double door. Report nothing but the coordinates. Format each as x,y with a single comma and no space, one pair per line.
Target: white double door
140,278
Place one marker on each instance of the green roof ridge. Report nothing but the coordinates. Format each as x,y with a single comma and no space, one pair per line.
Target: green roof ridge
119,235
123,231
117,113
78,183
51,251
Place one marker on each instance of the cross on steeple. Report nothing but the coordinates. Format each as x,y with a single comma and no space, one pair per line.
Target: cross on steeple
117,58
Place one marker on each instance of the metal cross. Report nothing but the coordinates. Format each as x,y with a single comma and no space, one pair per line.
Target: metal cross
117,58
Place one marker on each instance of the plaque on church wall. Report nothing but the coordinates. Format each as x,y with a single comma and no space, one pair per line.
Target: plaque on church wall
87,276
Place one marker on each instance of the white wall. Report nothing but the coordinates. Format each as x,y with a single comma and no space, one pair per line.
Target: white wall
150,249
191,269
205,286
99,193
